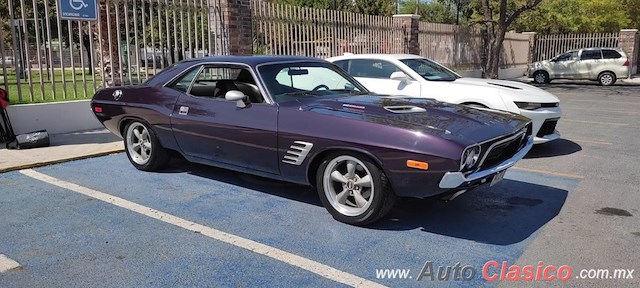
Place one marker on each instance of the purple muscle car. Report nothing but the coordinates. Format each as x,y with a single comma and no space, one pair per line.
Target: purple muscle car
305,120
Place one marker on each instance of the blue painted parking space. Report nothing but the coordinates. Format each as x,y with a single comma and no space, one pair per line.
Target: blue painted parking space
68,232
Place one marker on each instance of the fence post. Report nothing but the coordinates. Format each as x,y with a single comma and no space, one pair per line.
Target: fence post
410,23
236,18
532,46
628,41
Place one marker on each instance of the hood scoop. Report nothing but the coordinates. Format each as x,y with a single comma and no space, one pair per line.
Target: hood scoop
505,86
404,109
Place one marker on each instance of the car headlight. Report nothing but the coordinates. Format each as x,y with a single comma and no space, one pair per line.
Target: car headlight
528,105
470,157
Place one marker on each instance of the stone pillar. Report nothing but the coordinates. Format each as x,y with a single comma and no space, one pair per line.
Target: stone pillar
532,47
237,23
410,24
628,41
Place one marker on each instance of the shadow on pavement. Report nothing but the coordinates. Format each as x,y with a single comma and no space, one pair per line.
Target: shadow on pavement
84,137
504,214
554,148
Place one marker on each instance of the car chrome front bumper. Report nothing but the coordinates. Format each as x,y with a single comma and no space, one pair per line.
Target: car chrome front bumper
452,180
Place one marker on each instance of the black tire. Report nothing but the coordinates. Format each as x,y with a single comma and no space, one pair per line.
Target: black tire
157,156
607,78
541,77
380,199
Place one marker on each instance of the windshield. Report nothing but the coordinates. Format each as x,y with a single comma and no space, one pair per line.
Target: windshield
290,81
430,70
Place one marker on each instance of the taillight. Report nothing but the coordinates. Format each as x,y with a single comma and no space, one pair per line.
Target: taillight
626,63
97,109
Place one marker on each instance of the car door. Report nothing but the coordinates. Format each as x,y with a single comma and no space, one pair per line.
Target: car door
207,126
375,75
590,64
565,65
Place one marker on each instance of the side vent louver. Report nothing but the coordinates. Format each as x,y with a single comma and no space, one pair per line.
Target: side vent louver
297,152
404,109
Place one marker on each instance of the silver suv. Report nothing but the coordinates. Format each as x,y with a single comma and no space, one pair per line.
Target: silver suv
604,65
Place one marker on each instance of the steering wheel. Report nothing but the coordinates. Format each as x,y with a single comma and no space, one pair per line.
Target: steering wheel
321,86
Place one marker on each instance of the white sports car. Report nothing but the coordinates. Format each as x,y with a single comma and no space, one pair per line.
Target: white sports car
412,75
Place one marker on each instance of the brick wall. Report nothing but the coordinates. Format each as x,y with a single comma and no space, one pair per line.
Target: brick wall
237,17
628,41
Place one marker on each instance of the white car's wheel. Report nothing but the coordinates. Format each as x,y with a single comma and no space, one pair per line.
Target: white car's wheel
607,78
353,189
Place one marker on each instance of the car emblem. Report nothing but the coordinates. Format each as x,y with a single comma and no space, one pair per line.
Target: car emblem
117,94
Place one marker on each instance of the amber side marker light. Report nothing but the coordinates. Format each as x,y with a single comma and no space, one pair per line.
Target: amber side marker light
417,164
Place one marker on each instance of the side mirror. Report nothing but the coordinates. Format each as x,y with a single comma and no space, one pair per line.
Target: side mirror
400,76
235,95
349,87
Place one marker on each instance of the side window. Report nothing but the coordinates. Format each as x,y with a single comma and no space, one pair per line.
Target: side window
215,81
591,54
610,54
568,56
343,64
183,83
371,68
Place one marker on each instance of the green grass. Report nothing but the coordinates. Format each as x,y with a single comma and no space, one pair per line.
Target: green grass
52,89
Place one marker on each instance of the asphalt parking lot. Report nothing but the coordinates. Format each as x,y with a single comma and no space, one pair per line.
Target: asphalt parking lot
100,222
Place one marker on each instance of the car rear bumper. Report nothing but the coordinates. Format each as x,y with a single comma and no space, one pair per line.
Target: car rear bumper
457,180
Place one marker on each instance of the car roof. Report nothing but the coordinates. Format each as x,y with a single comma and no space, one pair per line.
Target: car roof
252,60
375,56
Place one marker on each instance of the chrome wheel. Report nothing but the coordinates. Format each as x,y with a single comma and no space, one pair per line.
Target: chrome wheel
348,185
138,143
607,79
540,77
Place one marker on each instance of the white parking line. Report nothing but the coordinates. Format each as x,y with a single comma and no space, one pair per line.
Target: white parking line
7,263
275,253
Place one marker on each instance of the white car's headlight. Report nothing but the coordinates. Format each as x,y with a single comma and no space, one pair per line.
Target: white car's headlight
528,105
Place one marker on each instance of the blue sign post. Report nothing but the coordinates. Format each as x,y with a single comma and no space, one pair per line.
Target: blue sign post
86,10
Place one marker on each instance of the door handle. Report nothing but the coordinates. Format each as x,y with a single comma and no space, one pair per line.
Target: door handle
184,110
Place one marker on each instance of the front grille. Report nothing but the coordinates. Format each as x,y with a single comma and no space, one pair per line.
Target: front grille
502,149
548,127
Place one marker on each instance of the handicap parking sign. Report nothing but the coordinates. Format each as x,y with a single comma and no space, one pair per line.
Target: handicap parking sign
78,10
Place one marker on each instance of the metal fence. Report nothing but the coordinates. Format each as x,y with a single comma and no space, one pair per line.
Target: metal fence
45,58
291,30
548,46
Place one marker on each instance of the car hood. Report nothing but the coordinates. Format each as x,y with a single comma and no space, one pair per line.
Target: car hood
459,123
510,90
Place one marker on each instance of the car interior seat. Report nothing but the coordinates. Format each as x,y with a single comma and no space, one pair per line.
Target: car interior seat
247,85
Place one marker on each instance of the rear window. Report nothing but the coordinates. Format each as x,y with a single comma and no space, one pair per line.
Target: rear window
591,54
610,54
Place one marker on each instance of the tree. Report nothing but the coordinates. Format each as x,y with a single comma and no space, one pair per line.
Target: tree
579,16
497,16
434,12
342,5
374,7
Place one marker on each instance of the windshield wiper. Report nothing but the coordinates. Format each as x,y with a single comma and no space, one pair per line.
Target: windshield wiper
351,92
300,93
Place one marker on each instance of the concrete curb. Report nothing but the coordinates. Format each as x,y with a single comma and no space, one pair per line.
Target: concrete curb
58,161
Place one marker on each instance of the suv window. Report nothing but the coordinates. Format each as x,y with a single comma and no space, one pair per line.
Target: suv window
591,54
371,68
610,54
572,55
